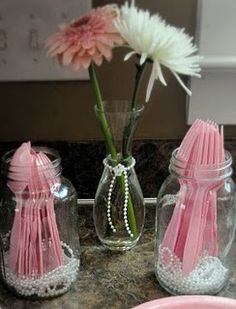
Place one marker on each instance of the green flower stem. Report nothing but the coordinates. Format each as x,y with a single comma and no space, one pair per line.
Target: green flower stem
103,121
128,128
138,78
110,146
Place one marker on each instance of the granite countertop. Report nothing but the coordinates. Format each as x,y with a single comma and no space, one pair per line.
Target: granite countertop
107,279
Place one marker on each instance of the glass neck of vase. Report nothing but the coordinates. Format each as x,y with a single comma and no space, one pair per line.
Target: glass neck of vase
125,161
121,121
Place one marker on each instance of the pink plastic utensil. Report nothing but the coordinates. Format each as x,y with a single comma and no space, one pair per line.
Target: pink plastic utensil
192,228
30,254
48,182
35,260
210,235
207,162
19,176
184,153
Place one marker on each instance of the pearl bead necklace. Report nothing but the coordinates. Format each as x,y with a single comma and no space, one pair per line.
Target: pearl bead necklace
207,276
54,283
118,170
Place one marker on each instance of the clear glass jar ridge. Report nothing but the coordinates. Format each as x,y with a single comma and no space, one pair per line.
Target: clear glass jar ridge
38,227
195,227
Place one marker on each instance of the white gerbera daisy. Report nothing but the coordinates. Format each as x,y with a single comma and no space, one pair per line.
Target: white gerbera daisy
150,37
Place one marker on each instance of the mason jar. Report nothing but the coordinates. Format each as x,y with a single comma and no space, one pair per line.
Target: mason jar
195,227
39,242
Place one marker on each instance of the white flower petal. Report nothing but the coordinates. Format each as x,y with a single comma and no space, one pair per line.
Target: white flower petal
129,55
143,59
150,37
160,74
182,83
152,78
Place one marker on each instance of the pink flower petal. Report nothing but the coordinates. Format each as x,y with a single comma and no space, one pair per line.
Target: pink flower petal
87,44
85,61
104,40
97,59
59,50
88,38
81,52
53,47
105,50
92,51
116,38
76,64
68,55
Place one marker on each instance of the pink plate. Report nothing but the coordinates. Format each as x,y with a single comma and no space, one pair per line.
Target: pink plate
190,302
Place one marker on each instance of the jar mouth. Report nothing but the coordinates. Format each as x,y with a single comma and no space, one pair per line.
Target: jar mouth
119,106
201,172
51,153
127,161
13,172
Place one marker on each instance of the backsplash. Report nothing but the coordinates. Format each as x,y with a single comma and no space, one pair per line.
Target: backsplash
82,162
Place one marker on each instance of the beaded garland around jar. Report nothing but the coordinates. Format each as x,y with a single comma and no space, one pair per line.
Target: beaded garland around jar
117,171
38,224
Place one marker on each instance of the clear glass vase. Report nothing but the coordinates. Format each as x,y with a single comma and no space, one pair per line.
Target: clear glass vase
195,228
39,241
119,210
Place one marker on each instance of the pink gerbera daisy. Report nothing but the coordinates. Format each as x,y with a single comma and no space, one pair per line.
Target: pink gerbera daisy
87,39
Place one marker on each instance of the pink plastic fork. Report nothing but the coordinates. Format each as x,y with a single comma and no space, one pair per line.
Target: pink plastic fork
193,227
207,157
184,153
210,235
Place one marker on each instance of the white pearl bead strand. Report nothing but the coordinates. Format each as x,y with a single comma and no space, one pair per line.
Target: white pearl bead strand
118,170
209,275
53,283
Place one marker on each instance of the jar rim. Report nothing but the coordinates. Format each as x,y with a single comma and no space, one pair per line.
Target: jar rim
119,104
201,172
108,161
50,152
20,174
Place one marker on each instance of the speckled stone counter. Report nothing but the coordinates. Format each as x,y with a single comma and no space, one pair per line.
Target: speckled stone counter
106,279
82,162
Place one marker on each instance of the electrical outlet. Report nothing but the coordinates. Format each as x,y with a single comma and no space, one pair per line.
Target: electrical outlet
24,27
